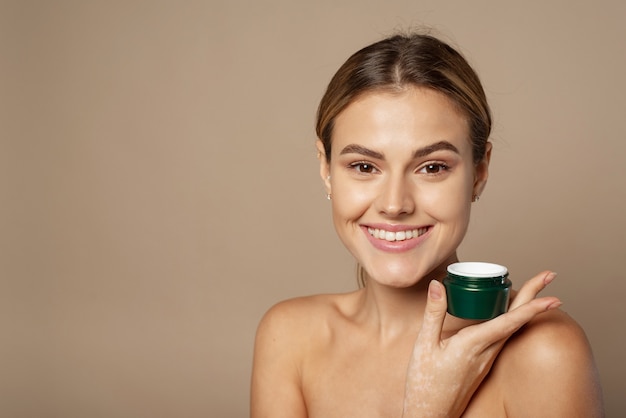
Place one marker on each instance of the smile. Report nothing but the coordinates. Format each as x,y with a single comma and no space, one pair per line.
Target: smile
391,236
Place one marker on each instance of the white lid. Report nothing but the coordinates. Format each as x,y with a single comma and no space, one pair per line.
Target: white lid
477,269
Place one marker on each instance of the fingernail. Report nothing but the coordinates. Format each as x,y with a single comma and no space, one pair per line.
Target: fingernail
434,290
554,305
549,278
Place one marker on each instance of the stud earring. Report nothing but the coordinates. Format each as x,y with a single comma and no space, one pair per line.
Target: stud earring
328,195
475,198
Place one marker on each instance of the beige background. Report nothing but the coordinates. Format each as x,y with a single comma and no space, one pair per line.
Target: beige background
159,185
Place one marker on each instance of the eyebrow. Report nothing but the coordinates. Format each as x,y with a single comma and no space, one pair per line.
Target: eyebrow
359,149
437,146
419,153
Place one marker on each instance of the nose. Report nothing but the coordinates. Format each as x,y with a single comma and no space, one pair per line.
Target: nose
396,196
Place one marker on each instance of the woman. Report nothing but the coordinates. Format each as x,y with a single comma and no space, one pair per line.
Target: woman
403,146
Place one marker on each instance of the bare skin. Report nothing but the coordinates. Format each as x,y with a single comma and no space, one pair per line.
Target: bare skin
315,357
402,177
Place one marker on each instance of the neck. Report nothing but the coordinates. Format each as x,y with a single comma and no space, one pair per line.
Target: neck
398,311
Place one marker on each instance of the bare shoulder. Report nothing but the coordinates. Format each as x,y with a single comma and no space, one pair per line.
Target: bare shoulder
285,336
549,370
288,326
549,337
299,317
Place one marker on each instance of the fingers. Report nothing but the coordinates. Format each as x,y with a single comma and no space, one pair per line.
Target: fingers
531,288
522,310
501,328
434,315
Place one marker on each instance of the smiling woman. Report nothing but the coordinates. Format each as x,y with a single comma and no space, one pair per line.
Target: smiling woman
422,178
403,146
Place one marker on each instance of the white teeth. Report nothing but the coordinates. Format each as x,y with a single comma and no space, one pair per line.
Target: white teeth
396,236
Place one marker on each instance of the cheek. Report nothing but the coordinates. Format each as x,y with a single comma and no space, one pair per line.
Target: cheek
350,201
449,201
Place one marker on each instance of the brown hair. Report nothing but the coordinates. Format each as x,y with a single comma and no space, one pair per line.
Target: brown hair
405,60
400,61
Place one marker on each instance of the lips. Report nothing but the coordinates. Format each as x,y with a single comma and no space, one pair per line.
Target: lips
392,236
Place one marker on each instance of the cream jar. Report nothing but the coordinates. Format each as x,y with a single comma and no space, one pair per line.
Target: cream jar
477,290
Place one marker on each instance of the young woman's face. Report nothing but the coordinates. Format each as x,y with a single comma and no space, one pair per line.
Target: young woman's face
402,178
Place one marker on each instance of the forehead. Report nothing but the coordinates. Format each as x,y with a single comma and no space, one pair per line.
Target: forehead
413,116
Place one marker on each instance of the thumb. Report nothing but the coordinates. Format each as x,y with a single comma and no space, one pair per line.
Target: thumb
435,313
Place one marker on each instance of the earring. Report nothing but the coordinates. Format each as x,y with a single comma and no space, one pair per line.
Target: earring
475,198
328,195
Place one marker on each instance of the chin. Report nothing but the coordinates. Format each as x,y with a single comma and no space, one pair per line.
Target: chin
407,271
398,278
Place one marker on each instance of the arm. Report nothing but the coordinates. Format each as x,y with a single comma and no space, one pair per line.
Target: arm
275,390
550,371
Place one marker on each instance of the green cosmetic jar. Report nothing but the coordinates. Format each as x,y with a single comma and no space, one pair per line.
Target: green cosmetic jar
477,290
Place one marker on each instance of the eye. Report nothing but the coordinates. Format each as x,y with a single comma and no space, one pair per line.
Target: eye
363,167
434,168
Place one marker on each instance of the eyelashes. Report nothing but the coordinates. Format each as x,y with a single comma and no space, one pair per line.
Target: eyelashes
434,168
430,168
363,167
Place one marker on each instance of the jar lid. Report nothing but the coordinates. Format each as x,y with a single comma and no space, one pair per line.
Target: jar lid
477,269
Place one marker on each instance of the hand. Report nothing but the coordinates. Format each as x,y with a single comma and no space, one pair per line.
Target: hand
444,374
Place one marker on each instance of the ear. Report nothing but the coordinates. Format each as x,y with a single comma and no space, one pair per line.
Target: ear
481,171
324,166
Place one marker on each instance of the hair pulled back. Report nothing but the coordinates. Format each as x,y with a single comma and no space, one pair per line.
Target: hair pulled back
396,63
402,61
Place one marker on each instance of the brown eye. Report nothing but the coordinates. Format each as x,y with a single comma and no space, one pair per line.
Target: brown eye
434,168
363,168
